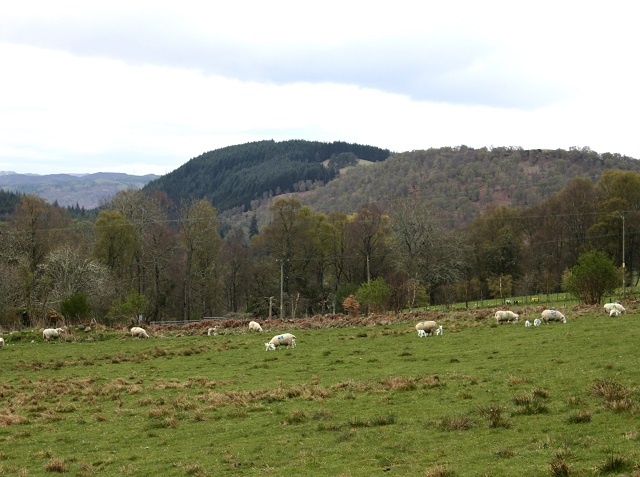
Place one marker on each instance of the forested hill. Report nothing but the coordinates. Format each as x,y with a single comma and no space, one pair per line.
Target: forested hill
8,202
236,175
462,181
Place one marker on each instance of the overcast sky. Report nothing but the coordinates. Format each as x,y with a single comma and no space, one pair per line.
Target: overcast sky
142,87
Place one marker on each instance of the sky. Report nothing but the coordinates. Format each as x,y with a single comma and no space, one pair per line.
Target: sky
143,86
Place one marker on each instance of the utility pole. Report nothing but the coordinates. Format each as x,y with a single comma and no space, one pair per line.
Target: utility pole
281,289
624,290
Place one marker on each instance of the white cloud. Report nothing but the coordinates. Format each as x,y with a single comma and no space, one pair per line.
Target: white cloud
146,86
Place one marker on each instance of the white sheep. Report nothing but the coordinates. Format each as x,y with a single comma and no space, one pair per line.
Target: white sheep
613,306
615,312
428,327
138,332
439,331
1,342
527,323
552,315
537,322
255,326
506,316
212,331
421,334
280,340
51,333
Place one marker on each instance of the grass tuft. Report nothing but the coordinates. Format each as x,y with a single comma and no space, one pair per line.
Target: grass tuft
530,404
559,468
494,414
439,471
296,417
55,465
610,390
504,453
457,423
580,417
613,464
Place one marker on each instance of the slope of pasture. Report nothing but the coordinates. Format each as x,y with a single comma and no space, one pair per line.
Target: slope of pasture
353,401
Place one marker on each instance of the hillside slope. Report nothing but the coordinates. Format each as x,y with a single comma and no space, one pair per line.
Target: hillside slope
235,176
459,181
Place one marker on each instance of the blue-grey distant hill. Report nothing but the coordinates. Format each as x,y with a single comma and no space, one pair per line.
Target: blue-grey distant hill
70,189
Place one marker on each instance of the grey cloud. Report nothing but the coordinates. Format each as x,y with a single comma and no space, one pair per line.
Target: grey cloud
424,69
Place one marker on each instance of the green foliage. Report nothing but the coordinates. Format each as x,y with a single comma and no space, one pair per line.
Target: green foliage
375,294
593,277
127,310
75,307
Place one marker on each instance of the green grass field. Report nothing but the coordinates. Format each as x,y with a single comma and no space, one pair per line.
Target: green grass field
481,400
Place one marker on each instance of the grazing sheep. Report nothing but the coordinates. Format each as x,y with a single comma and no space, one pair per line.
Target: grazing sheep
537,322
527,323
212,331
138,332
51,333
429,327
281,340
615,312
552,315
613,306
507,316
255,326
1,342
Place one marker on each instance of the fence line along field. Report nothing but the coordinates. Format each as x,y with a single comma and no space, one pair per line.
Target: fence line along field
363,399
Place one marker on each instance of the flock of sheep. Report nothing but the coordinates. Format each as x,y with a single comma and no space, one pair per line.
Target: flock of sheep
506,316
424,328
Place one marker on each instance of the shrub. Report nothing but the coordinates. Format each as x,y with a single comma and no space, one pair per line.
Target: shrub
351,306
75,307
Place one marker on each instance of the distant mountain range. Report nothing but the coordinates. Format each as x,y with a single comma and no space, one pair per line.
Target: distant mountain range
84,190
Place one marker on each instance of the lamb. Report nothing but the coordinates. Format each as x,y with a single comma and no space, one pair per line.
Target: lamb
615,312
527,323
138,332
537,322
421,334
255,326
428,327
613,306
439,331
1,342
506,316
51,333
552,315
281,340
212,331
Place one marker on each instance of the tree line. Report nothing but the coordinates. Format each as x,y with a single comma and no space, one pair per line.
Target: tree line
139,260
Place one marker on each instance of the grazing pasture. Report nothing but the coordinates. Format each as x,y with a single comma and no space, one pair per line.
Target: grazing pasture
481,400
